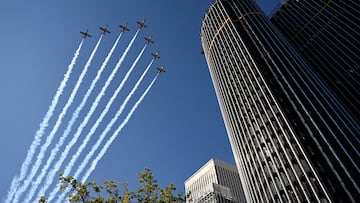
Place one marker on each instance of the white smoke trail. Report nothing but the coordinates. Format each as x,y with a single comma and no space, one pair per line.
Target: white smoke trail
88,116
109,142
111,123
40,132
67,131
50,137
116,133
97,123
101,117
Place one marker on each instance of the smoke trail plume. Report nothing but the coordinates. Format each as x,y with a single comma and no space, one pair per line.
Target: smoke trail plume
111,123
101,117
40,132
56,126
116,133
52,173
108,143
67,131
88,115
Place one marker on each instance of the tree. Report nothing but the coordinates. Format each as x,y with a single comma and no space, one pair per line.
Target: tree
147,192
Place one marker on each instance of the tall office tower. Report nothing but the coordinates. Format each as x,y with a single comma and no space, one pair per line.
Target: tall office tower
216,182
327,34
291,137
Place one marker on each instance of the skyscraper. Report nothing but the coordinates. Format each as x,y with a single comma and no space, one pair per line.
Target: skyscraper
327,34
292,138
217,182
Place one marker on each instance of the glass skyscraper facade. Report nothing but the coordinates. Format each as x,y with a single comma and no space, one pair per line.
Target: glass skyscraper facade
327,34
293,139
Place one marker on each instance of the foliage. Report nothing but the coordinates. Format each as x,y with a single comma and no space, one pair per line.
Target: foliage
147,192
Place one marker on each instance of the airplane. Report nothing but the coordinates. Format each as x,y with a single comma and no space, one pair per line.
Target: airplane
161,70
85,34
104,30
124,28
155,55
149,40
141,24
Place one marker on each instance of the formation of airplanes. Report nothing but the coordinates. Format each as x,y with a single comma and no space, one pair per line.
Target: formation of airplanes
123,28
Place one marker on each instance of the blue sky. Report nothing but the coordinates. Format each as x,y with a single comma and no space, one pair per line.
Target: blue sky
175,130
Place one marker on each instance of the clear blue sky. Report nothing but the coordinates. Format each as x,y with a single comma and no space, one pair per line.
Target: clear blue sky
176,129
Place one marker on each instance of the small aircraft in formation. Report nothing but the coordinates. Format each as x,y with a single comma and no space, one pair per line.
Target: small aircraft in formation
161,70
85,34
155,55
149,40
104,30
141,24
124,28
